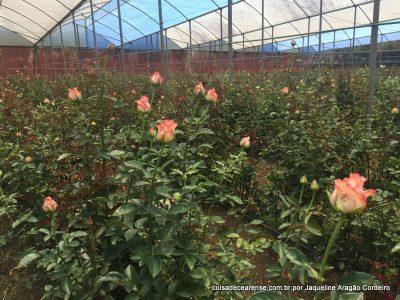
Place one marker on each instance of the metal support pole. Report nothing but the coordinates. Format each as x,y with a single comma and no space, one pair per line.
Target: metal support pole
222,40
308,34
51,53
372,62
94,34
262,33
63,50
161,37
190,46
209,57
320,31
166,55
121,40
354,36
76,40
35,60
230,32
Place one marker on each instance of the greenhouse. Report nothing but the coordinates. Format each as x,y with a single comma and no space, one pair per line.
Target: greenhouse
212,149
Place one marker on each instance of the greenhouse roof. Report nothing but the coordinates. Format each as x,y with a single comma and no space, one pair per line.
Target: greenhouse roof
27,22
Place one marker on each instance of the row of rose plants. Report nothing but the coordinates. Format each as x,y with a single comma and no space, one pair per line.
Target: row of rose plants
269,124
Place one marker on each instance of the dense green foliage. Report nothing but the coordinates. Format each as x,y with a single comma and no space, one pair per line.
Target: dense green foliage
135,217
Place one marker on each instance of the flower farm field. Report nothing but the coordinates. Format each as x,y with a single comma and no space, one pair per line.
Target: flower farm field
141,190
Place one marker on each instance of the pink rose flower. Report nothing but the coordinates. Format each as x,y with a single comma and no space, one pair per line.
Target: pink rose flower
74,93
212,95
285,90
166,130
143,104
199,89
49,204
245,142
156,78
349,195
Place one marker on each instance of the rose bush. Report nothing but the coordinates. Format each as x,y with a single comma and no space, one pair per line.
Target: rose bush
133,177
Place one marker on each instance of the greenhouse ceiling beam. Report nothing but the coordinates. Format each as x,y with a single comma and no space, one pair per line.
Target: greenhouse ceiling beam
61,21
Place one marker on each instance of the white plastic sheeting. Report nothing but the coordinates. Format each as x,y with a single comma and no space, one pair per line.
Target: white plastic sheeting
25,22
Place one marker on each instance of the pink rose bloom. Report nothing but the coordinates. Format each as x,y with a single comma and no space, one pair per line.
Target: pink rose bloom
245,142
156,78
212,95
143,104
166,130
74,93
199,89
49,204
285,90
349,195
46,101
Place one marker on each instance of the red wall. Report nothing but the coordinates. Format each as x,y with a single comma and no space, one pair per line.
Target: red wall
50,62
16,59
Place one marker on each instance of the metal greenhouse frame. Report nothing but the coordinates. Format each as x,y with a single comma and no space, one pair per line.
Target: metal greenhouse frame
203,36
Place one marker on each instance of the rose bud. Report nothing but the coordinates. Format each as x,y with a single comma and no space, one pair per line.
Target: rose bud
74,94
143,104
49,204
314,185
285,90
152,132
245,142
28,159
46,101
303,179
212,95
395,110
199,89
349,195
156,78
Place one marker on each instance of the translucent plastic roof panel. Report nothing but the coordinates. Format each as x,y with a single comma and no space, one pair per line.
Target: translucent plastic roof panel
29,21
32,19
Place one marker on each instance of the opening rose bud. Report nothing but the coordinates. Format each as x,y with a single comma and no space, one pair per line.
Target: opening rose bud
166,130
395,110
285,90
349,195
212,95
152,132
156,78
49,204
28,159
199,89
245,142
46,101
143,104
303,179
74,94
